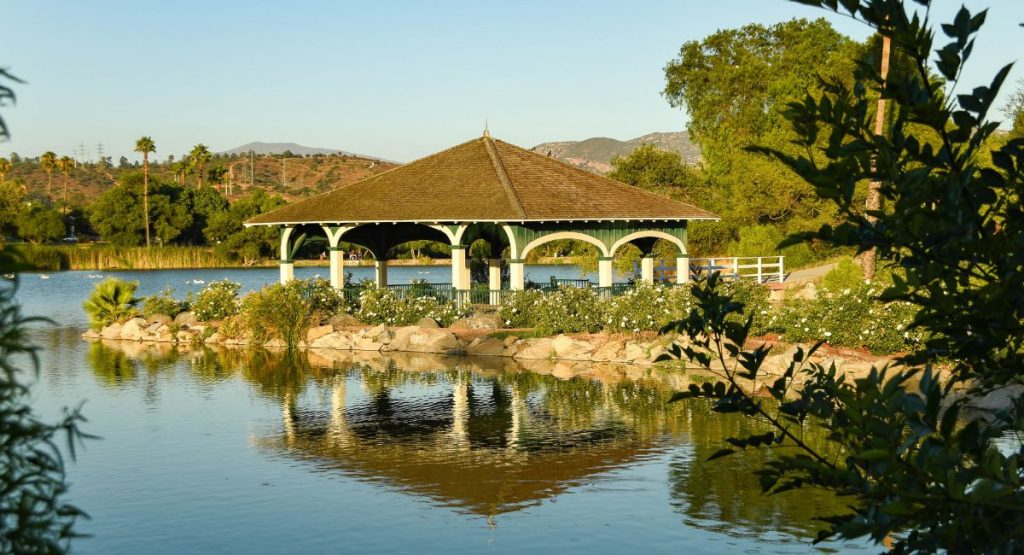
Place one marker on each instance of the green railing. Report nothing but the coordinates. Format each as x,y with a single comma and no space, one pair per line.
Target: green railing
480,295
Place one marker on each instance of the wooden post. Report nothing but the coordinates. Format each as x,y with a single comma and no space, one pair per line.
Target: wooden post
736,267
782,273
760,278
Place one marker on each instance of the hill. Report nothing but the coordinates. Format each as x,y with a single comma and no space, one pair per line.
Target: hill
595,154
294,148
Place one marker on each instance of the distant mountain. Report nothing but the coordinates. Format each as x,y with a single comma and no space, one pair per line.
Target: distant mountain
296,149
595,154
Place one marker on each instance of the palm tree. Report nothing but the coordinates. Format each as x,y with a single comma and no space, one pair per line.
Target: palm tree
145,145
181,169
201,155
5,166
48,161
64,165
113,300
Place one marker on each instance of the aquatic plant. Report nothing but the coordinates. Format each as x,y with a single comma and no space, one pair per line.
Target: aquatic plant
113,300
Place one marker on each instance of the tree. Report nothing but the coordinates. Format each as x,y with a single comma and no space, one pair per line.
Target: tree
64,165
5,166
203,203
735,85
1014,110
233,240
12,198
921,468
48,161
181,169
200,155
649,167
145,145
116,214
40,224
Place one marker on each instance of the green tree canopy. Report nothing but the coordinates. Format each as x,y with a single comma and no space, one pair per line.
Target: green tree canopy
40,224
240,243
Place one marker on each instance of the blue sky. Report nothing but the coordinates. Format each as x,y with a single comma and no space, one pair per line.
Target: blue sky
393,79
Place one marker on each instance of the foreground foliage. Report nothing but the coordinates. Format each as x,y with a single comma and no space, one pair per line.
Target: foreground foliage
922,470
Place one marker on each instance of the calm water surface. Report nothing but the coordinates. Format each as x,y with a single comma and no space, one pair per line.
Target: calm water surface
227,451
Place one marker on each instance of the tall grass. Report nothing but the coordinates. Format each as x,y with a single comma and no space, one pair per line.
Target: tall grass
106,257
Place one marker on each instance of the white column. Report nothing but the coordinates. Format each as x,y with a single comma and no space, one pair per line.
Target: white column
517,274
604,271
460,412
458,266
683,269
337,267
285,262
647,270
494,279
339,432
380,274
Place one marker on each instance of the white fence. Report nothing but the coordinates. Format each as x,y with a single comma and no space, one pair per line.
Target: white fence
762,269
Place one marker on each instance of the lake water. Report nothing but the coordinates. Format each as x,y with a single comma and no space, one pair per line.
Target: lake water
227,451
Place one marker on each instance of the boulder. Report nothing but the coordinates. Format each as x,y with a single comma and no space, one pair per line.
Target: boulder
481,321
373,339
415,339
275,344
611,351
163,334
132,330
486,346
159,319
427,322
183,336
568,348
113,331
91,334
186,318
340,321
338,340
317,332
809,291
634,351
533,349
214,339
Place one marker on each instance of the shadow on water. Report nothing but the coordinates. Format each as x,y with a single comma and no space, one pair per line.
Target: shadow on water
484,436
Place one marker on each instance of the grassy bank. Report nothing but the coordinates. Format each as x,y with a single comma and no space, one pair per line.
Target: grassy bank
106,257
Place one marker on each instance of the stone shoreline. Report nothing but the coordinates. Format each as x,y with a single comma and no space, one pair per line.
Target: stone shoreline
578,350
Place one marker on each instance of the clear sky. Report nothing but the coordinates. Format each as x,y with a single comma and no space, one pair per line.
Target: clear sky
393,79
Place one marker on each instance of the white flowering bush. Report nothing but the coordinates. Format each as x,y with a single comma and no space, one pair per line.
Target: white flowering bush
378,305
645,308
518,308
850,317
217,301
324,298
569,310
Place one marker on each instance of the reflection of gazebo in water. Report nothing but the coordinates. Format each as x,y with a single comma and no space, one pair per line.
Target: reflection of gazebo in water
486,189
487,452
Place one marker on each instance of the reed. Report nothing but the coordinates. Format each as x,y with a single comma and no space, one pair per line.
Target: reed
106,257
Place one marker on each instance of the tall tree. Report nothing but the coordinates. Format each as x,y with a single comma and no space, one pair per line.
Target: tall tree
64,165
5,166
1014,110
145,145
200,156
874,201
48,161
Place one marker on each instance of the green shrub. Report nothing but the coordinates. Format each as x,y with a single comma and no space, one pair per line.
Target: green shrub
113,300
378,305
517,308
646,308
568,310
162,303
217,301
324,298
281,311
754,298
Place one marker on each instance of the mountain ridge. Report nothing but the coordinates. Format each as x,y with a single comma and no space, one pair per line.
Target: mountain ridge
595,153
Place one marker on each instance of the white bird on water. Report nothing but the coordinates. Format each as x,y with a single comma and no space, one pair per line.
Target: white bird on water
44,276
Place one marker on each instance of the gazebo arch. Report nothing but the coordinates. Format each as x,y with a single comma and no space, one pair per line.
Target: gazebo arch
486,184
646,249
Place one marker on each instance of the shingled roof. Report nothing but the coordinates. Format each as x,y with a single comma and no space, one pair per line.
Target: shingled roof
483,180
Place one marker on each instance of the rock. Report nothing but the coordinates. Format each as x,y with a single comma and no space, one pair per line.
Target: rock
482,321
486,346
338,340
317,332
652,354
415,339
611,351
373,339
634,350
186,318
113,331
275,344
214,339
534,349
163,334
91,334
132,330
568,348
426,322
183,336
160,319
809,291
340,321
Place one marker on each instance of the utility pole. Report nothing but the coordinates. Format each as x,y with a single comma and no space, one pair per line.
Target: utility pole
284,174
252,168
873,203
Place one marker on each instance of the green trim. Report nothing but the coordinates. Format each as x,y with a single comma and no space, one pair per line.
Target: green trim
336,249
649,255
605,258
459,247
286,261
517,261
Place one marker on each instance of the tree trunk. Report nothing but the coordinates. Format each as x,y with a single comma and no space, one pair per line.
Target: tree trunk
145,194
64,208
874,200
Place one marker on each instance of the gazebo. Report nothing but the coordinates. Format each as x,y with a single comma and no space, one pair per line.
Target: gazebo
486,189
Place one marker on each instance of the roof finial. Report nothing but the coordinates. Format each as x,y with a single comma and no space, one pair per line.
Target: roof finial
487,133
